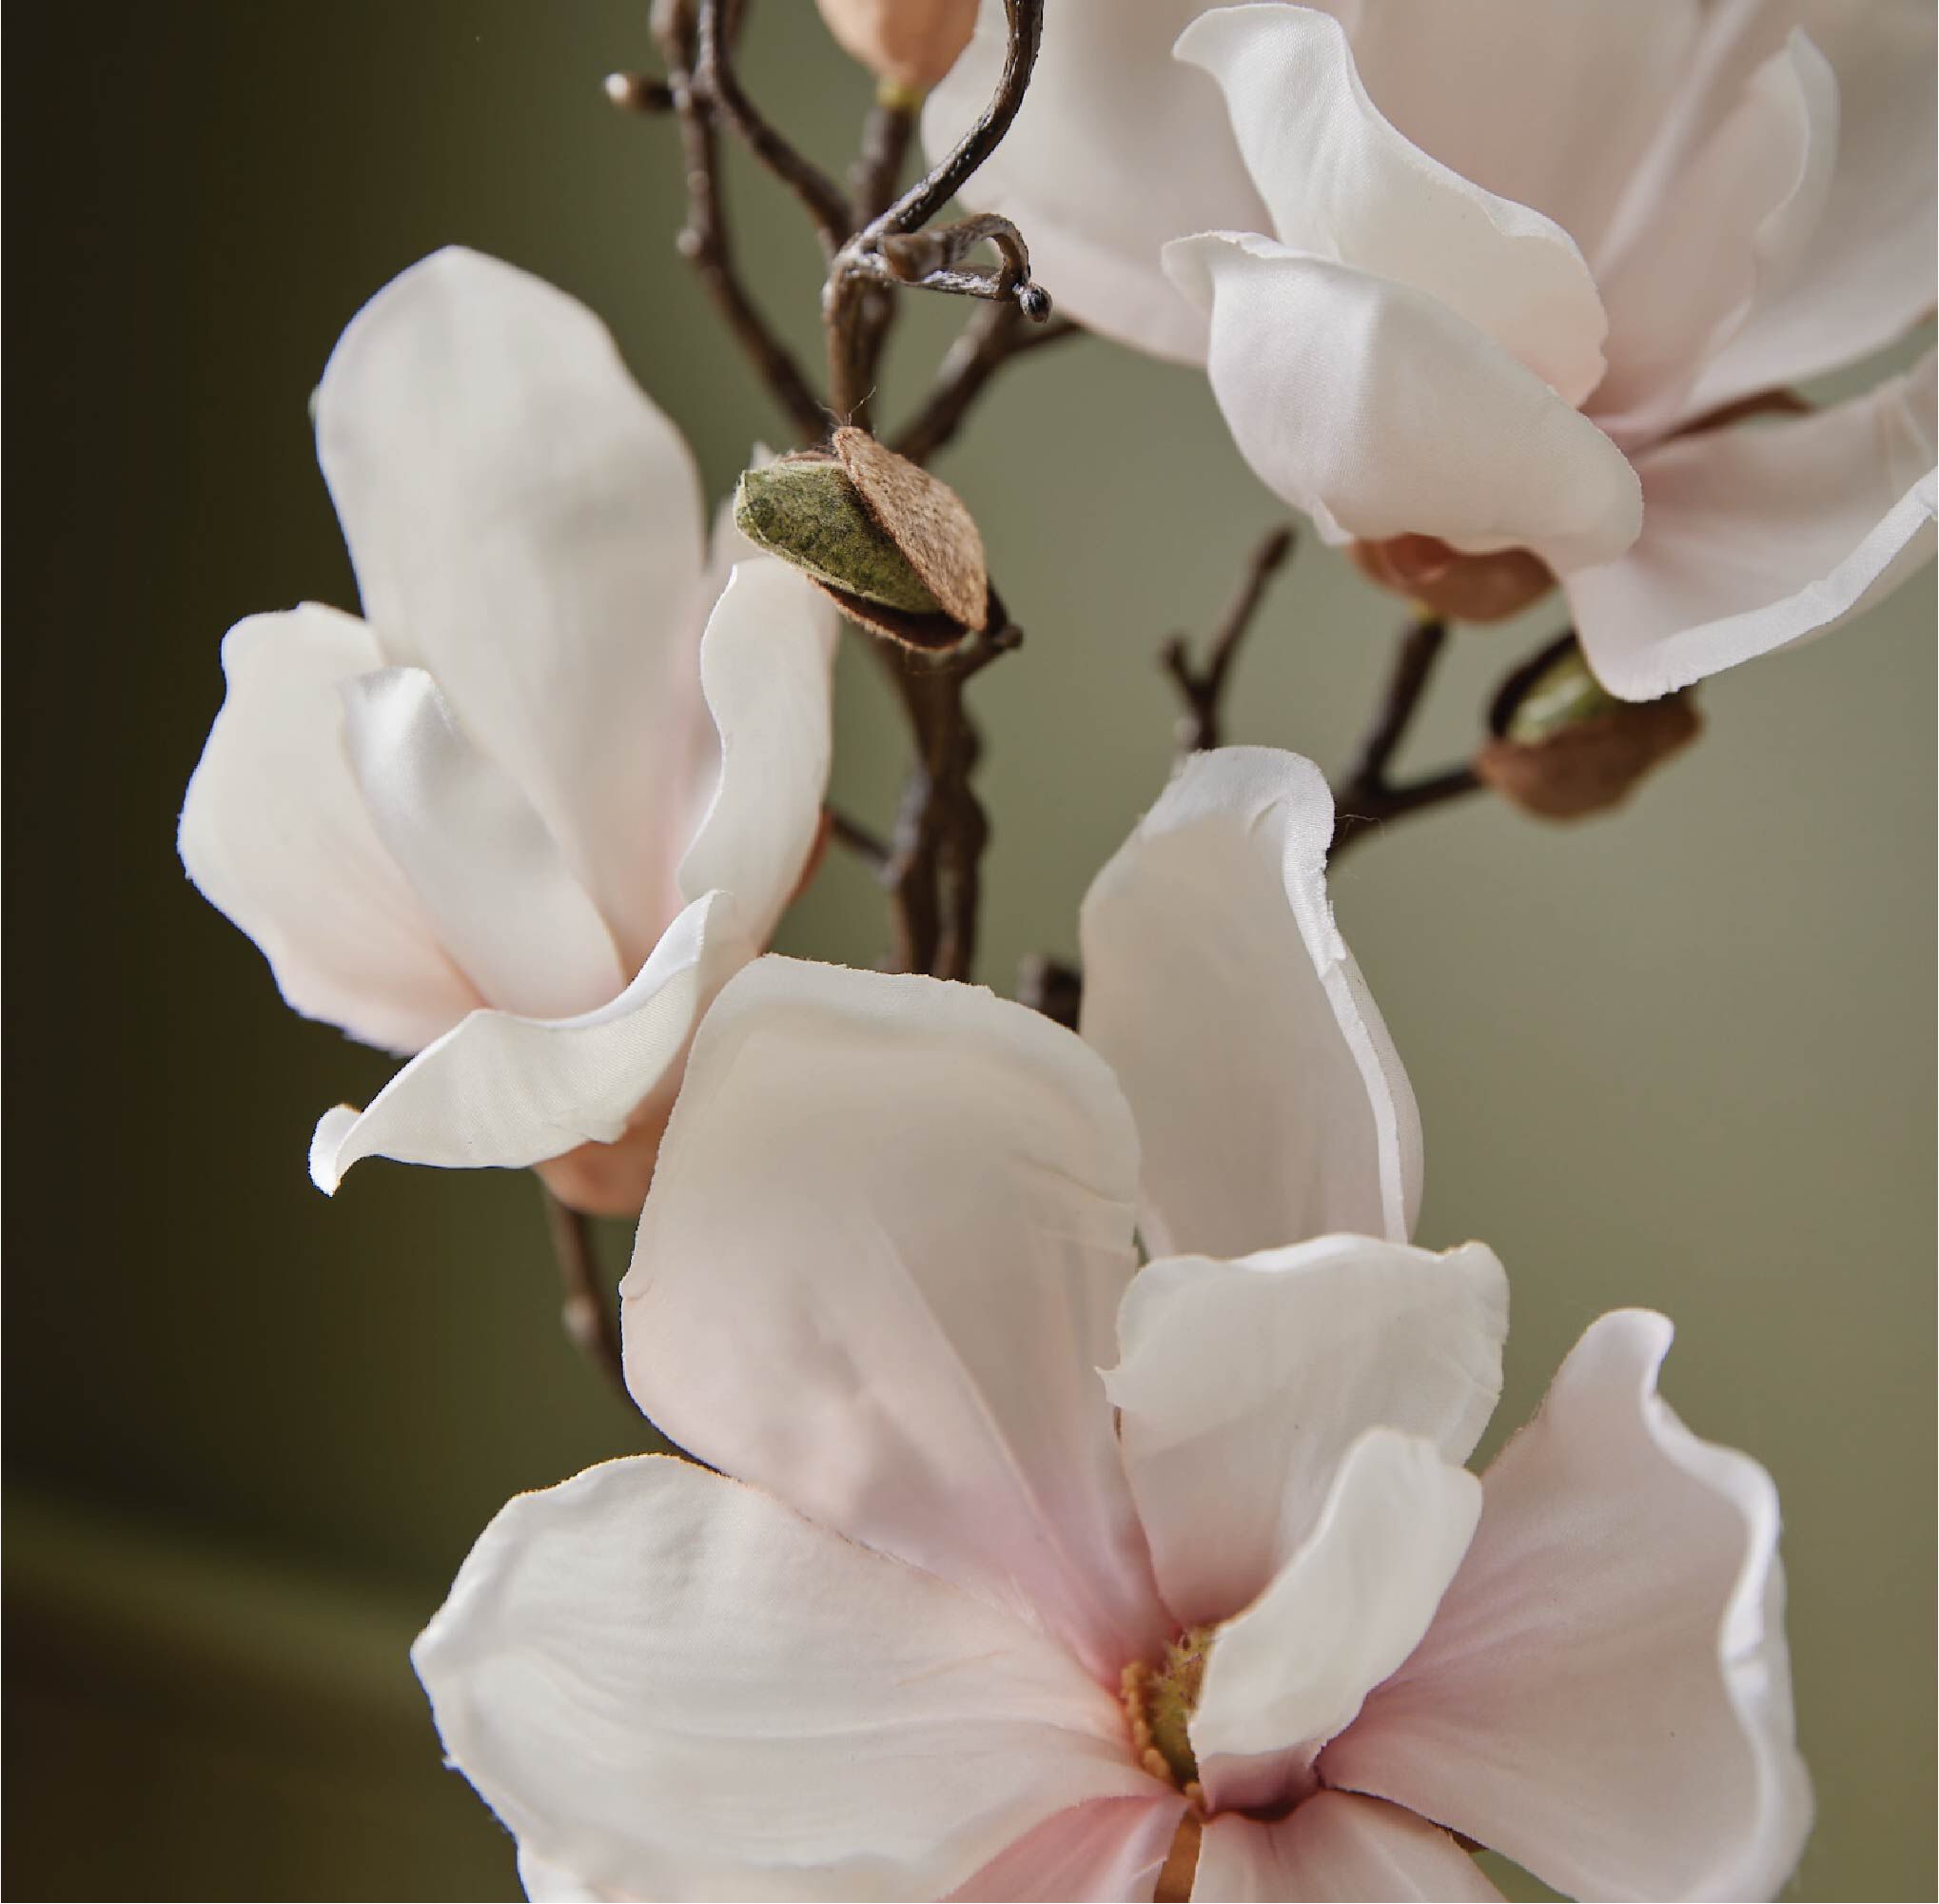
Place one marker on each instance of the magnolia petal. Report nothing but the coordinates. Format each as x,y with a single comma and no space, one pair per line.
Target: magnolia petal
1382,412
1866,275
505,903
1605,1695
548,1884
673,1686
1107,1849
500,1091
913,1202
1740,217
1075,171
1762,535
1550,106
526,527
766,664
1342,184
1292,1670
1241,1386
1270,1104
1337,1846
276,836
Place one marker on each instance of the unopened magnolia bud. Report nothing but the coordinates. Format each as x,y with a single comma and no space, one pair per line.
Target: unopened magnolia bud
909,45
1562,695
1565,748
805,510
895,547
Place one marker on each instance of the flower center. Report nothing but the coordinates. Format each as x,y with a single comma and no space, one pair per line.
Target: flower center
1159,1702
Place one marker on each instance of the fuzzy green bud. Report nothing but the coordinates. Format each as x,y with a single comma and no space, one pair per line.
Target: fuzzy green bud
1565,693
806,510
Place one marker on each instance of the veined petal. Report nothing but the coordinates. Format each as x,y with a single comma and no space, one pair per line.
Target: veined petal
1739,218
1762,535
276,836
1337,1846
1241,1386
498,1090
1292,1670
1867,273
505,903
1343,184
1076,170
1382,412
1101,1852
673,1686
526,527
909,1202
765,664
1269,1101
1605,1695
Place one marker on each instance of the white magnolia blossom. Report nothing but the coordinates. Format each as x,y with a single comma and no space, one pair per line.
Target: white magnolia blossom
913,1640
1510,274
492,822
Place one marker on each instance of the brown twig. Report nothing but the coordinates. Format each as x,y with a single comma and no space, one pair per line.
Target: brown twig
868,845
1050,986
824,202
886,135
996,336
861,263
703,240
589,1315
934,874
1203,687
1367,796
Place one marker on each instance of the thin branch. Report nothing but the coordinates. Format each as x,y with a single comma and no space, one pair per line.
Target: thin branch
886,135
588,1314
1202,689
1050,986
704,240
826,204
929,194
862,263
996,336
1365,797
868,845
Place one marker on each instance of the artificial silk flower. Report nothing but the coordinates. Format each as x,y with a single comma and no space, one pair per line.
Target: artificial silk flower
1516,289
961,1615
492,822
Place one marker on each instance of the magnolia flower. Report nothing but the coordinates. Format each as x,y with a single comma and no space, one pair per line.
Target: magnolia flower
961,1616
1517,289
492,823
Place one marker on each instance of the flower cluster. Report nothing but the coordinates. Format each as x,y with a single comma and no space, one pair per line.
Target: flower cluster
1080,1503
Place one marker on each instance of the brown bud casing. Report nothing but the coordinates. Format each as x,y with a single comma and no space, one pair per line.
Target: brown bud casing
909,45
891,545
1593,765
1455,587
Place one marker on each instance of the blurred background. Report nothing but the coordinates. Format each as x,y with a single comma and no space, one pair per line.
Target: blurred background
1680,1057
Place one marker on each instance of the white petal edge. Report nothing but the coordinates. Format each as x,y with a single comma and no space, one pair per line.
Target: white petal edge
1376,408
1292,1670
913,1202
275,836
1240,1386
1761,536
1605,1695
505,903
1343,183
526,526
673,1686
501,1091
765,663
1337,1848
1270,1104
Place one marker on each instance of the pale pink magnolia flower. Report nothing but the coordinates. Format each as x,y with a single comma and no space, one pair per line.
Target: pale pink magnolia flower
1519,276
915,1639
523,818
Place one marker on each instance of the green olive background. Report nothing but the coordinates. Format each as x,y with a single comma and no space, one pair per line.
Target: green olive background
1681,1056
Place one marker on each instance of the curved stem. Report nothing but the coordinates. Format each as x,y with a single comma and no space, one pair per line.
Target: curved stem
588,1314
